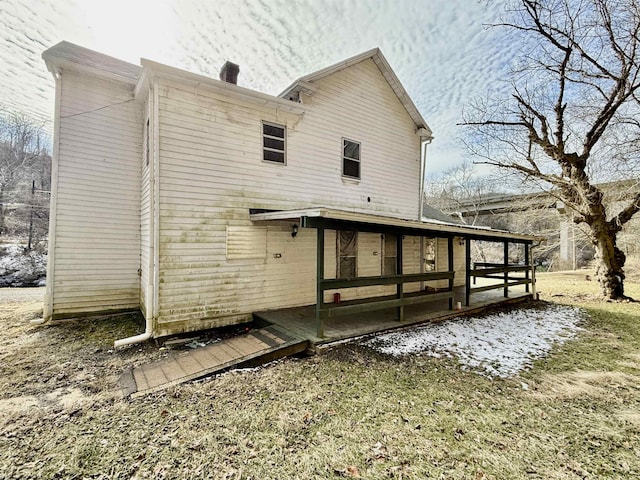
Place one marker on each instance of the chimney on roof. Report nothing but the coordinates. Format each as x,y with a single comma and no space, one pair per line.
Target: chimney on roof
229,72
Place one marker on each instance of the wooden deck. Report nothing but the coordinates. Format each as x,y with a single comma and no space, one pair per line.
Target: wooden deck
289,331
300,321
256,347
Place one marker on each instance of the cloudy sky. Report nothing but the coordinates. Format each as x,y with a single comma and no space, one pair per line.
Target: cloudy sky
440,49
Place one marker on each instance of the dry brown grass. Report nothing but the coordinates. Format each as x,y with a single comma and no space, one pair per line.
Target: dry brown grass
351,413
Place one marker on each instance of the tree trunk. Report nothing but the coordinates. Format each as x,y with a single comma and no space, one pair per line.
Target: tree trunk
609,261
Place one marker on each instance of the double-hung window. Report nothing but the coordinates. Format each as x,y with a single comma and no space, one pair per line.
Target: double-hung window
350,159
274,138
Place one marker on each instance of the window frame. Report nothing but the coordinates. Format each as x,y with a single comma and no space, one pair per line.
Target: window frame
270,149
358,160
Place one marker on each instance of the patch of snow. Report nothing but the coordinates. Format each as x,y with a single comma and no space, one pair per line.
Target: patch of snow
498,345
21,268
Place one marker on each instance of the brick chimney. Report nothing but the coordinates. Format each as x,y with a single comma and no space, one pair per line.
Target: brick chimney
229,72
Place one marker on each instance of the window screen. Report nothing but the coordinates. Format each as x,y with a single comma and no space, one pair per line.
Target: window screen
273,143
429,254
347,254
389,254
350,159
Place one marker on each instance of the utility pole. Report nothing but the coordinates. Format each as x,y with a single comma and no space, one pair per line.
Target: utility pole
33,199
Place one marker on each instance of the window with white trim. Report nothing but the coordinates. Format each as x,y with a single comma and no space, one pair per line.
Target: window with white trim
350,159
274,138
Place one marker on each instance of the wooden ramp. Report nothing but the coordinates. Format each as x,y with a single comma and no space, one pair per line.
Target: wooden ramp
258,346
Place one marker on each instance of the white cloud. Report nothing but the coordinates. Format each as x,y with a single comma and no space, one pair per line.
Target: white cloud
439,49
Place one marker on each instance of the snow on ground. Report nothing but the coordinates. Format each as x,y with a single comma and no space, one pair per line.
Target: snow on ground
498,345
19,268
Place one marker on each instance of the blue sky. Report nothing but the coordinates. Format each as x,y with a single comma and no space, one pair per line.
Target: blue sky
440,49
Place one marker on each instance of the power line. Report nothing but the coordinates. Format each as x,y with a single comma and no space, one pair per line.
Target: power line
97,109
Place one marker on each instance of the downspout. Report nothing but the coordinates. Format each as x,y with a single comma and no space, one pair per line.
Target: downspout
47,313
424,141
154,200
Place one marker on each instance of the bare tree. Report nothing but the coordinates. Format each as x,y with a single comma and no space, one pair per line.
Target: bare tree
461,191
23,161
571,121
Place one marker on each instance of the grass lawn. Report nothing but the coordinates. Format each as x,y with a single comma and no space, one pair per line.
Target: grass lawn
349,413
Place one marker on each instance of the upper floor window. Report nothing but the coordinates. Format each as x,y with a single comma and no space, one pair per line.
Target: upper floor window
350,159
274,142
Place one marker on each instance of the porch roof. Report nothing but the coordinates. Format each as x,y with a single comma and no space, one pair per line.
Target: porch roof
322,217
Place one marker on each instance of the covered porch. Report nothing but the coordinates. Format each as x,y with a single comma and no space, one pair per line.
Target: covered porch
302,322
453,286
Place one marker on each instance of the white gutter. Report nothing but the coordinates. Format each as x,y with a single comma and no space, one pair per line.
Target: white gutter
150,314
423,170
47,313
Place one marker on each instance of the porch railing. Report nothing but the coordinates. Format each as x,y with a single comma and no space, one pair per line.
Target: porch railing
498,271
327,310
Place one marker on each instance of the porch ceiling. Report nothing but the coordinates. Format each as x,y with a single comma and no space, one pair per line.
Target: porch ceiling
321,217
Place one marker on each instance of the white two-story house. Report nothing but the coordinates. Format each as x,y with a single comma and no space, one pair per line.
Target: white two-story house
200,202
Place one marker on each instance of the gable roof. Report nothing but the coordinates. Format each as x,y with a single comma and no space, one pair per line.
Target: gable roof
387,72
67,54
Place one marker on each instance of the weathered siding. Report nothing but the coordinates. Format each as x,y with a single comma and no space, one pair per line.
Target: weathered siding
97,235
211,173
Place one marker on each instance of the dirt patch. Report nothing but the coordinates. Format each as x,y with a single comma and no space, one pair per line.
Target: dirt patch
629,416
582,383
61,398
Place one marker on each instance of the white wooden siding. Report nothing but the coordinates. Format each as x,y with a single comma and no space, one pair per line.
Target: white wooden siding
97,246
211,173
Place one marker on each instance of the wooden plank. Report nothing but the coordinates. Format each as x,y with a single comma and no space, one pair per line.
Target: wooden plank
335,283
153,374
223,352
383,304
140,379
199,362
205,355
267,339
189,364
246,344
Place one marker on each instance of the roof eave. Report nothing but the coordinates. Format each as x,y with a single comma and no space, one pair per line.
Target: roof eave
343,215
56,64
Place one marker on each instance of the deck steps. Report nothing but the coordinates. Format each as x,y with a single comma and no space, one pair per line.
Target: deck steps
258,346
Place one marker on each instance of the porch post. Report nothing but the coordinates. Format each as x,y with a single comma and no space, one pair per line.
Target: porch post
319,278
467,261
526,262
450,260
506,265
399,286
